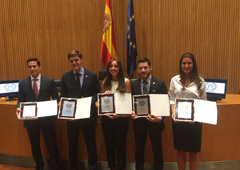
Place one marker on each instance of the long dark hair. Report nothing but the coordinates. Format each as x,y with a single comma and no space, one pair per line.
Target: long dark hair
194,76
121,81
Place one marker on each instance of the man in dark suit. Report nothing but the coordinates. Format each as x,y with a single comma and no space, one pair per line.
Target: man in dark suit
36,88
147,84
78,83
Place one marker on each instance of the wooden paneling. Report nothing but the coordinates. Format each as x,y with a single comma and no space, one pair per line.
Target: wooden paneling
165,29
5,167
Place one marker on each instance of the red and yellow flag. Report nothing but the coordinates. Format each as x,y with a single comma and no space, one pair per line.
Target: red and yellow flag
108,49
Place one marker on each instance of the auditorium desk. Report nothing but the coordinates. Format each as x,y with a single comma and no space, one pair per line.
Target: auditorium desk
219,143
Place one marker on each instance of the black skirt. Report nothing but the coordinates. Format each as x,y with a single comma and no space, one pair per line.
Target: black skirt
187,137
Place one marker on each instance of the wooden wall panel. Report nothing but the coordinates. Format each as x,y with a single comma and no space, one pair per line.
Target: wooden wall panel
165,29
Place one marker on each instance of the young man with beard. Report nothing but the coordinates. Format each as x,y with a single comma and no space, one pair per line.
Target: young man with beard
147,84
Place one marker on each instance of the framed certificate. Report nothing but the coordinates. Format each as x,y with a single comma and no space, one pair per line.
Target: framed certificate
68,108
184,110
106,103
28,111
142,105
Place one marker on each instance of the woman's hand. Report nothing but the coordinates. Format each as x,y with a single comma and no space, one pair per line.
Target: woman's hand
112,116
107,91
17,112
172,108
173,115
134,116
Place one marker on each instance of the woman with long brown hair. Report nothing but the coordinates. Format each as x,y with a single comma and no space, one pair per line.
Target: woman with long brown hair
187,136
115,127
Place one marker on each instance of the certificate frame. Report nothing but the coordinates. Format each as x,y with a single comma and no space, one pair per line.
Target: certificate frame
191,119
28,117
100,112
148,103
61,109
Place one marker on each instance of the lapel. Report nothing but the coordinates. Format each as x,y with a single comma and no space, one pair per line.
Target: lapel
138,87
29,83
152,88
42,84
85,78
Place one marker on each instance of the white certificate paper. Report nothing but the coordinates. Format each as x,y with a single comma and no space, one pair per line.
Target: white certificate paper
123,103
159,104
29,111
47,108
205,111
83,108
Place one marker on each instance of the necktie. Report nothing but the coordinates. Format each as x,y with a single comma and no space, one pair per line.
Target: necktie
145,87
78,80
35,87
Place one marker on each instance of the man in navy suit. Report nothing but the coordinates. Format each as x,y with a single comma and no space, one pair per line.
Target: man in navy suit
147,84
36,88
78,83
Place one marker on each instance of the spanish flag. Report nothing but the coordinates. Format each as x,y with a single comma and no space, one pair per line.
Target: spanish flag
108,49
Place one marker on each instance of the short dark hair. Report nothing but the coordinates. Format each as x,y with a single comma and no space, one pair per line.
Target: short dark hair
74,53
143,60
33,59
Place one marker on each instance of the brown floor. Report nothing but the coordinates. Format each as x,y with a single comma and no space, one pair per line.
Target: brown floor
5,167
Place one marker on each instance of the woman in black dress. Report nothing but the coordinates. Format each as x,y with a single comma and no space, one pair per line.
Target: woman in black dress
115,126
187,136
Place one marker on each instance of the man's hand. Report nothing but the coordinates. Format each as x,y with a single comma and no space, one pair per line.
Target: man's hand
134,116
112,116
153,118
17,112
172,108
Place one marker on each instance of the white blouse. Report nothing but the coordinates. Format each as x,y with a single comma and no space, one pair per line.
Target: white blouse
176,90
114,86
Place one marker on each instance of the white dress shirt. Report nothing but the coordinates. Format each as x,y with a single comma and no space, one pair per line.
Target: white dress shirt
176,90
38,81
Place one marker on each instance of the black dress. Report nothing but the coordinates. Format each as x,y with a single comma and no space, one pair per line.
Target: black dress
187,137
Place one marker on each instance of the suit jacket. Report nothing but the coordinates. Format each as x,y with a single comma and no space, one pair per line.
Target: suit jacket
90,87
46,92
156,87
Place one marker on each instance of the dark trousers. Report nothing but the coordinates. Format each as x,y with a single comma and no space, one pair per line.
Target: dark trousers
88,129
115,132
141,127
48,131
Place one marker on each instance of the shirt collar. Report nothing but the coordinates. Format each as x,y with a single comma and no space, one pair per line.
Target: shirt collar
179,81
80,72
38,77
148,79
